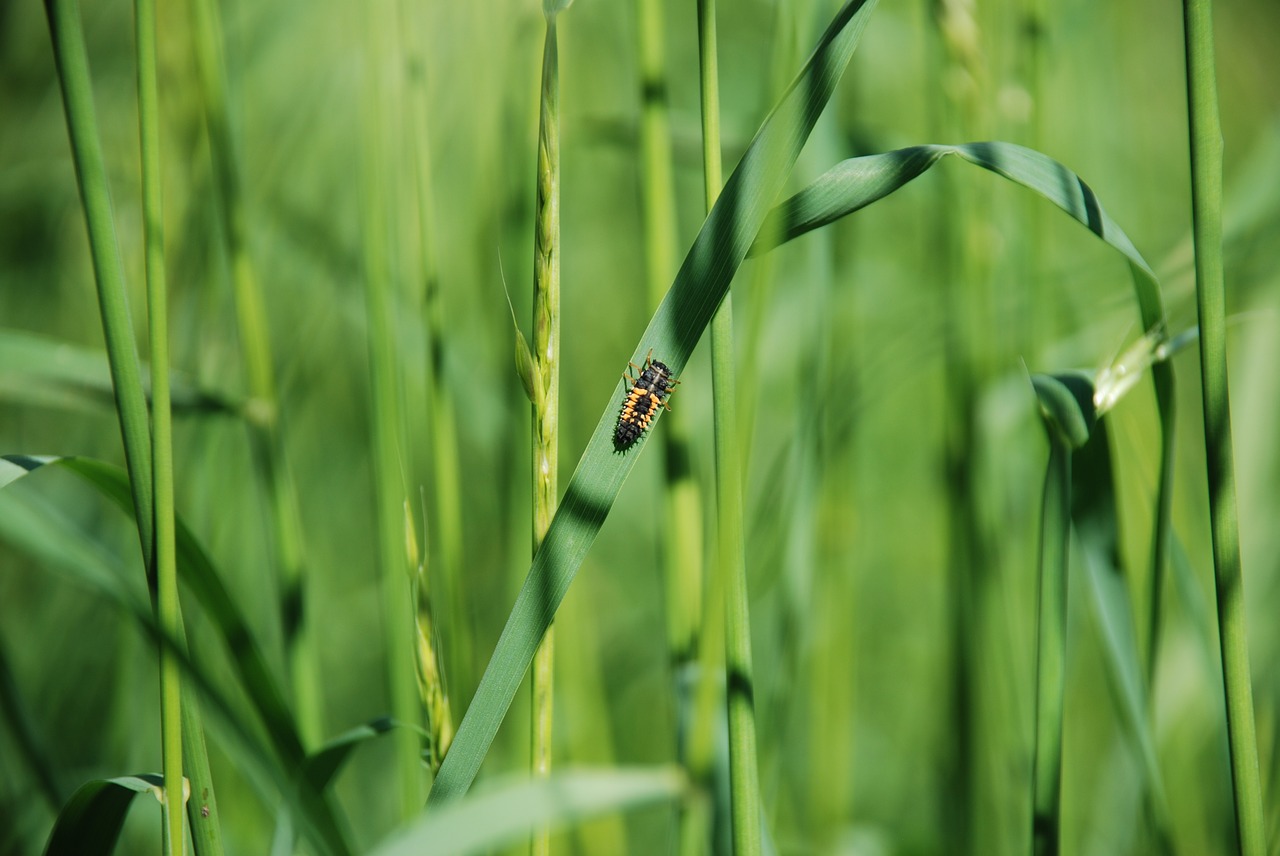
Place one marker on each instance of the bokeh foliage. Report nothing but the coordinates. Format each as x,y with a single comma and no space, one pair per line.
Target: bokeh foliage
848,339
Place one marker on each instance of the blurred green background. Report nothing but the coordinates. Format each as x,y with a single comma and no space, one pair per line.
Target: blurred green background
852,333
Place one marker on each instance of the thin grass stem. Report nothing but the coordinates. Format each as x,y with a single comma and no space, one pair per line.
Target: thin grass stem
957,56
396,562
682,544
744,786
117,327
1206,205
1051,651
82,126
265,432
442,432
166,569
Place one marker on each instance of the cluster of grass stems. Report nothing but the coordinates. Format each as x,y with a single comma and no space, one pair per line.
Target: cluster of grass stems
263,709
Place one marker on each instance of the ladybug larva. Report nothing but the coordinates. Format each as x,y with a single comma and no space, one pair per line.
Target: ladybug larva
647,394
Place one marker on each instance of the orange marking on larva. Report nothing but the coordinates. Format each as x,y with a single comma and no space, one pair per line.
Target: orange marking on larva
648,392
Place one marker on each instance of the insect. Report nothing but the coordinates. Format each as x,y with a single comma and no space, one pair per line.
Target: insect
648,392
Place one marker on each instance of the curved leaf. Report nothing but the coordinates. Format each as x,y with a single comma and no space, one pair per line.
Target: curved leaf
856,183
1066,403
507,813
90,823
700,285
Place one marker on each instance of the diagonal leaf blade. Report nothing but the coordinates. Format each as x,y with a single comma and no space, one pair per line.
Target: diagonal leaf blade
699,286
90,823
198,572
482,822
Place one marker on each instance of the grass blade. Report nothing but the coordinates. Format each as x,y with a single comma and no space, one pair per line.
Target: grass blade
858,182
1206,204
325,762
484,822
45,371
386,414
675,329
1066,403
285,757
730,564
266,434
1093,512
117,328
90,823
82,127
167,608
26,736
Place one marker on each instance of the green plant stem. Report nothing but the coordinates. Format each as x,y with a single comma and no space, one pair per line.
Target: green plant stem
396,571
1051,650
682,544
441,426
441,430
744,787
1206,204
86,150
546,394
117,328
956,113
166,569
263,411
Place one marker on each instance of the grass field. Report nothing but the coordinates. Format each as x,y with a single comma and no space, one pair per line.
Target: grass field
351,194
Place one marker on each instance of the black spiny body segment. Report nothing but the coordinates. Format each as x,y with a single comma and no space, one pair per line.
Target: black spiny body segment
647,394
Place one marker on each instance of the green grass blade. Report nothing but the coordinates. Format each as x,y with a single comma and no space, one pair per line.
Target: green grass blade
441,428
1093,512
675,329
730,563
325,762
42,370
1205,132
682,545
858,182
282,758
266,433
1066,404
198,572
108,270
90,823
167,608
484,822
386,411
26,736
